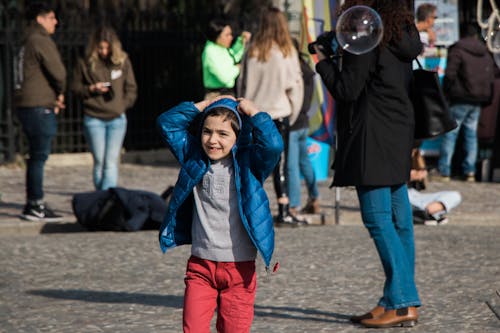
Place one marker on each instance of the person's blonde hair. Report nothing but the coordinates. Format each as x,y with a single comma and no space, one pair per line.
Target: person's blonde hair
105,34
273,30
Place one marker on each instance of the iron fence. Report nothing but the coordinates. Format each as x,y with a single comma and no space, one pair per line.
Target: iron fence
165,53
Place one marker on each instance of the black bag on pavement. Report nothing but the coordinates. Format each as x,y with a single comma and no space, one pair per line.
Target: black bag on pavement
432,116
119,209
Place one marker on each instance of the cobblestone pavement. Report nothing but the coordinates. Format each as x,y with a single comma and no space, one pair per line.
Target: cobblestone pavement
55,280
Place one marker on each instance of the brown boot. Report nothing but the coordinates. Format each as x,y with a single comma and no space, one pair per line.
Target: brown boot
311,207
374,313
405,317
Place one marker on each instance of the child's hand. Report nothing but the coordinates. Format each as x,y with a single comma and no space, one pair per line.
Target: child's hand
222,97
202,105
247,107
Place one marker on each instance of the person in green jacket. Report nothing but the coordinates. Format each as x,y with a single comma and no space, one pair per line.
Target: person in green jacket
220,59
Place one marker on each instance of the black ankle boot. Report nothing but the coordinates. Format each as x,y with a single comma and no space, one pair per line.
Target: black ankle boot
284,217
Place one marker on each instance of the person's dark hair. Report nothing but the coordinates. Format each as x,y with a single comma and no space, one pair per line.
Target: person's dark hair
424,11
215,28
37,8
227,115
471,30
395,14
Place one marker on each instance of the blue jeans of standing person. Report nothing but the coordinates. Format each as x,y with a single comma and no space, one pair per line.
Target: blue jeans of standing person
105,138
299,163
40,126
386,213
467,116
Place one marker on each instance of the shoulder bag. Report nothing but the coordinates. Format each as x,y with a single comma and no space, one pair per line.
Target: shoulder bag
432,116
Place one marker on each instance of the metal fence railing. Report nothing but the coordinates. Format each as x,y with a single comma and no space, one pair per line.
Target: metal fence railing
165,54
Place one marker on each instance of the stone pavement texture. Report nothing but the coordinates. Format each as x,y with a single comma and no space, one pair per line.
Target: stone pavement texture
59,278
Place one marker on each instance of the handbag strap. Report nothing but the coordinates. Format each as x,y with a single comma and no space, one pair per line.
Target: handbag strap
419,64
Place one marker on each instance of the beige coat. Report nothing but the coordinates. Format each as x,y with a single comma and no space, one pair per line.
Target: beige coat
275,86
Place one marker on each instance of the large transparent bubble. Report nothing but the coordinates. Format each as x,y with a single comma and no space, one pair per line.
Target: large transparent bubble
495,43
359,29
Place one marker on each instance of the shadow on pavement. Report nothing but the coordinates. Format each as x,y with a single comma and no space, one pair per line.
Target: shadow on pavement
110,297
173,301
53,228
302,314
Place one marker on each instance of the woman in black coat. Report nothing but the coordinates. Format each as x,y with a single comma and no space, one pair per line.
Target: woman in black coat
375,135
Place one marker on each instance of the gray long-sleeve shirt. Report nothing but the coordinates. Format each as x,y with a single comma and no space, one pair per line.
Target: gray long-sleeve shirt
217,232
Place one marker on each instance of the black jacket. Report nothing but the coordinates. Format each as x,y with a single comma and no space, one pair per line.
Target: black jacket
375,121
308,77
119,209
469,73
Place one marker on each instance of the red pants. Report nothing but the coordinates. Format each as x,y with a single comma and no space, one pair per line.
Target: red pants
229,286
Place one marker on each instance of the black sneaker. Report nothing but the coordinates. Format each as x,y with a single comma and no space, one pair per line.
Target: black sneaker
41,213
289,221
423,217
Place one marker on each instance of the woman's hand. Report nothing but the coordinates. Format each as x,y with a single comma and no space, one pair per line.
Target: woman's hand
246,36
320,54
99,87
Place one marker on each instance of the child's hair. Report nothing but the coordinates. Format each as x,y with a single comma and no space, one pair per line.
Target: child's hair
227,115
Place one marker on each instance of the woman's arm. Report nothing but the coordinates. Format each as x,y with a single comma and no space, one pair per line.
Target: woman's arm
347,85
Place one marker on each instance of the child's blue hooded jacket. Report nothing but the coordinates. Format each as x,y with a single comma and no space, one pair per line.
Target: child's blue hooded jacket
255,154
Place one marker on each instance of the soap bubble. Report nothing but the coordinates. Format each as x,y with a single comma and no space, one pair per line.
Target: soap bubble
495,43
359,29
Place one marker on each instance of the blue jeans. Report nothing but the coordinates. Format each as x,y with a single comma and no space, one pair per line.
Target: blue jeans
467,116
105,138
387,215
40,126
299,163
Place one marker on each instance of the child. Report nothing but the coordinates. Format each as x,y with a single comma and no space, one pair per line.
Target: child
219,206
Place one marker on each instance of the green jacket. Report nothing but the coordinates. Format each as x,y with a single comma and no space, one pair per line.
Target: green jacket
123,88
40,75
219,64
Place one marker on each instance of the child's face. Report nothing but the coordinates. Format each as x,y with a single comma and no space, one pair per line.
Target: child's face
218,137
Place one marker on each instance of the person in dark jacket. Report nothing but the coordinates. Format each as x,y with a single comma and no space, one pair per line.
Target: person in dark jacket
106,83
40,81
219,205
298,160
375,127
468,84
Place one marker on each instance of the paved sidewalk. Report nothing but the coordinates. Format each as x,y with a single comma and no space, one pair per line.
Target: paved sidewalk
57,278
480,204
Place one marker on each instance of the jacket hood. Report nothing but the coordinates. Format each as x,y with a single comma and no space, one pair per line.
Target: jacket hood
226,103
409,46
472,45
31,29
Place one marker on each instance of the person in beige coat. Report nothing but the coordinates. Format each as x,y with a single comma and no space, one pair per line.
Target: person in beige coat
105,81
271,77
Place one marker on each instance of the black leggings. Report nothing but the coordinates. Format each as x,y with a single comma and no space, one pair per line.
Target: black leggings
280,173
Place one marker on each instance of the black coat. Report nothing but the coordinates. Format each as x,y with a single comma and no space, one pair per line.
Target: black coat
375,121
469,73
119,209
